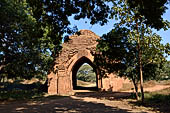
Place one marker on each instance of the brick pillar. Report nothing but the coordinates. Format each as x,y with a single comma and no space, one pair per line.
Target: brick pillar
52,84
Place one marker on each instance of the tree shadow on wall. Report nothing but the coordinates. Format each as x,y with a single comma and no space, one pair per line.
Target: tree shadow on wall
59,105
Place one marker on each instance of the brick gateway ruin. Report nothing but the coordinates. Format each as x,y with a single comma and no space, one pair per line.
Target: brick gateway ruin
77,51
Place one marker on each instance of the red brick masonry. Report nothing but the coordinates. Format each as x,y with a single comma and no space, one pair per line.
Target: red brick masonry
75,52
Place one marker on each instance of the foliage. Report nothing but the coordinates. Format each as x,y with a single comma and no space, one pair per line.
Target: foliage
19,47
31,32
164,73
86,73
152,10
53,16
120,52
131,49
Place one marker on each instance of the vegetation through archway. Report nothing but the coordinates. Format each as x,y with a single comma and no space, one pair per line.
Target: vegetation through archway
86,76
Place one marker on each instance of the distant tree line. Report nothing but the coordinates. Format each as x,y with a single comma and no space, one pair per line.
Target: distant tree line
86,73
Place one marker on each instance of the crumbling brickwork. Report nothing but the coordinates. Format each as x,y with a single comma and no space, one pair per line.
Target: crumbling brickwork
76,51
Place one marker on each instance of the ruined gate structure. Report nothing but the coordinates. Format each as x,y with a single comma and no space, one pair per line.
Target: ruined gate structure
77,51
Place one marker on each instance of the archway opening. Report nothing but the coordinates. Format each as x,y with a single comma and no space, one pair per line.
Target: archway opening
84,75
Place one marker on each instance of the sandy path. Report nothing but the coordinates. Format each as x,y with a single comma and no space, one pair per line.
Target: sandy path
156,88
152,89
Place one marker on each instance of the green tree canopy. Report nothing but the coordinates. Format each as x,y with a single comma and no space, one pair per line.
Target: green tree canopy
152,10
19,52
31,32
86,73
131,49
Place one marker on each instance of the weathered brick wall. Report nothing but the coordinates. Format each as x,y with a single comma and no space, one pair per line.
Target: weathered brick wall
112,83
83,45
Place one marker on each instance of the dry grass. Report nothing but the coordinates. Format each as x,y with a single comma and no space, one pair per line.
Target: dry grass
164,82
151,83
129,86
147,84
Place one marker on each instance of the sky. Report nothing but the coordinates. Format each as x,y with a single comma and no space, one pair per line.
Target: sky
100,30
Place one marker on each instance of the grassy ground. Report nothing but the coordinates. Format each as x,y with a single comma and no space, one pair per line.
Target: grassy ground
161,96
21,90
20,95
157,100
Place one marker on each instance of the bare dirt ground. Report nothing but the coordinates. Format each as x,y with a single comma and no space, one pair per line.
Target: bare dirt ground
82,102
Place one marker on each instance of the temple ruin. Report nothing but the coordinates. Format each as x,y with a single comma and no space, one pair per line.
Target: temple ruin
77,51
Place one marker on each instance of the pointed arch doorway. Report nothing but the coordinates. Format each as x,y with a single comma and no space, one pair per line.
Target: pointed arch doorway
78,50
86,78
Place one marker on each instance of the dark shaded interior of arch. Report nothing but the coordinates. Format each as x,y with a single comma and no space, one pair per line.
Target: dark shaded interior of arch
75,69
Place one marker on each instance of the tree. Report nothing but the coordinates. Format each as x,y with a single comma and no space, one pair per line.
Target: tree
32,31
152,10
135,21
19,52
53,15
119,53
133,45
164,73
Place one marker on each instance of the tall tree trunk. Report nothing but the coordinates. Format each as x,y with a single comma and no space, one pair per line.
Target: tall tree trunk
136,88
141,77
140,63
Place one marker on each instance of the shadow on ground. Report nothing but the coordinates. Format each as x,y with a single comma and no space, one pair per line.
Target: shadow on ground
105,95
59,105
157,103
